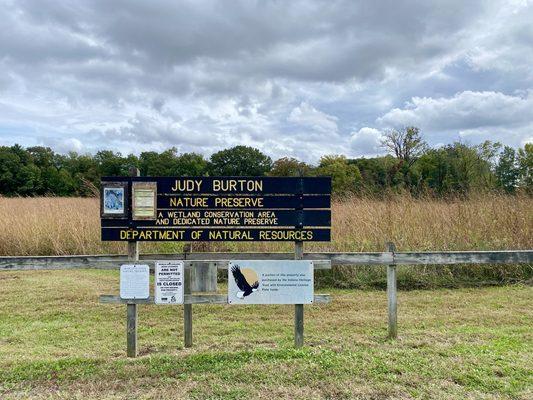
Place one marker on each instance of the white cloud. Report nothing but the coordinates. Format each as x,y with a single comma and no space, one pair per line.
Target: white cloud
366,142
464,110
302,78
309,117
63,145
473,116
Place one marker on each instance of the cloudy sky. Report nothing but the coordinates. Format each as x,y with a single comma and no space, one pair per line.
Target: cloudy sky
292,78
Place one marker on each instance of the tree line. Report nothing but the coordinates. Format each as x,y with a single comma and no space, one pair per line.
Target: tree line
411,166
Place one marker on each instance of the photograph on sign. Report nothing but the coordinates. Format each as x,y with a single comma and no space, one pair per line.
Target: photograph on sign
144,200
169,282
134,281
270,282
113,200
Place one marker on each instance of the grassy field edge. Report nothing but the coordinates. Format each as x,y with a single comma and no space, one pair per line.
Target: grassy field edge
56,341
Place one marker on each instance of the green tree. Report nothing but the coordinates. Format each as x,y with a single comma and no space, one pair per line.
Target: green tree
454,169
489,152
159,164
43,159
525,165
239,161
191,164
169,163
9,165
18,174
131,161
345,177
28,180
61,183
288,166
110,164
379,174
82,175
405,144
507,170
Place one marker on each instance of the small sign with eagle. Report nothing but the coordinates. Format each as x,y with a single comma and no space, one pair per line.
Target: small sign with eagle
270,282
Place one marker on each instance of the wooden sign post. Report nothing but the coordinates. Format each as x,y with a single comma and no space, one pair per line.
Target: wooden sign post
131,320
299,255
187,311
298,308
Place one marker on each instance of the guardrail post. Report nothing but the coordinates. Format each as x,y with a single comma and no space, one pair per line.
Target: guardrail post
131,312
392,295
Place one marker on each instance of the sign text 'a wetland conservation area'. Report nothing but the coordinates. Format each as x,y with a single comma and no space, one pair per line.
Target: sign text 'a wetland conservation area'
215,208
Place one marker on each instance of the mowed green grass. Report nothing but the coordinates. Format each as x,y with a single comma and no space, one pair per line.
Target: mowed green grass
57,341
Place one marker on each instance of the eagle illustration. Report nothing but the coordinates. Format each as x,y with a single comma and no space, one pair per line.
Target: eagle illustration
245,288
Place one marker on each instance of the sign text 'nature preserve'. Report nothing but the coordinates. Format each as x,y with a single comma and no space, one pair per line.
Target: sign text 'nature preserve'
216,208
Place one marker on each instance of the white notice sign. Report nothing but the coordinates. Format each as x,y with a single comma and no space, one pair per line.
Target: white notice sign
169,282
270,282
134,281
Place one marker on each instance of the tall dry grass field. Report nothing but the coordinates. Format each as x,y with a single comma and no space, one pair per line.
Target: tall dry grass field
51,226
59,226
